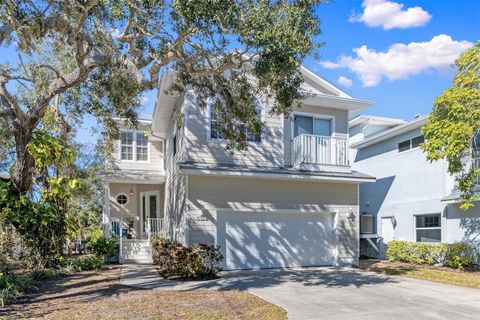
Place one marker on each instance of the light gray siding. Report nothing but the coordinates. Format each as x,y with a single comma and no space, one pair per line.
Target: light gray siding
175,182
209,195
340,128
154,163
273,151
201,148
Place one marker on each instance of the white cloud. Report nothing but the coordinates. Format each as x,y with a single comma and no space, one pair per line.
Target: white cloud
390,15
401,60
344,81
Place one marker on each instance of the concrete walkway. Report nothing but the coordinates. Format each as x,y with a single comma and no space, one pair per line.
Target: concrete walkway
331,293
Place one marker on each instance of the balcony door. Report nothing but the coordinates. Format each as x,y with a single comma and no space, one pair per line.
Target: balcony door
311,125
149,208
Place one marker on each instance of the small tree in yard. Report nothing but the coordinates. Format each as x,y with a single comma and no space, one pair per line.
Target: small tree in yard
97,56
454,124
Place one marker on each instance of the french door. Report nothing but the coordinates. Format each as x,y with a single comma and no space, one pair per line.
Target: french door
149,209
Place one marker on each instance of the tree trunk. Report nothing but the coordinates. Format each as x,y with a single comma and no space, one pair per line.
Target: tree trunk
23,170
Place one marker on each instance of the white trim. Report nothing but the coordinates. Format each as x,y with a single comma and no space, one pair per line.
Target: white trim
322,82
375,120
390,133
106,210
137,180
278,176
122,194
427,228
134,147
147,202
313,116
336,239
270,210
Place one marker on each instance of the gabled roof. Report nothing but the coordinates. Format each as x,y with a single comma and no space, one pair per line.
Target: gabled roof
375,120
321,93
390,133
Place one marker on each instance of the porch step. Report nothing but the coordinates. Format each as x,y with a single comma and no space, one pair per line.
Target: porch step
136,251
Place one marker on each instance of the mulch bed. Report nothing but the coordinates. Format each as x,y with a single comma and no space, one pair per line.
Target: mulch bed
99,295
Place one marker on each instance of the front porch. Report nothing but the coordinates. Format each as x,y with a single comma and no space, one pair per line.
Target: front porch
133,213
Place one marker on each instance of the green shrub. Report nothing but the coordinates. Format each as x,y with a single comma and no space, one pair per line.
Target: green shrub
84,263
13,286
102,246
176,260
46,274
459,255
455,255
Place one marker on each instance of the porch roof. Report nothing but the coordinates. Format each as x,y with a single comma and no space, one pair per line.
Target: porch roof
272,173
130,176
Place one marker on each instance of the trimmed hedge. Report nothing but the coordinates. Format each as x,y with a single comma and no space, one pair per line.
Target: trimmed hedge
455,255
175,260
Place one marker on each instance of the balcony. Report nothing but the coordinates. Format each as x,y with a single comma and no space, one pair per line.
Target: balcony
471,163
320,151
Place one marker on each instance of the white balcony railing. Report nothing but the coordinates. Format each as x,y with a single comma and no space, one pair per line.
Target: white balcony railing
313,149
155,227
469,163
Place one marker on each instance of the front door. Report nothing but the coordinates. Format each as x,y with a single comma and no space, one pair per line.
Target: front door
388,232
150,209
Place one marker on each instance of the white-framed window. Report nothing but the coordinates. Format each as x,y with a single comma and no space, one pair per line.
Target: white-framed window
312,124
428,228
134,146
410,143
122,199
217,134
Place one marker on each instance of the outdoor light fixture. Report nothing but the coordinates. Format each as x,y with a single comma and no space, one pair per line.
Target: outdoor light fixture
131,191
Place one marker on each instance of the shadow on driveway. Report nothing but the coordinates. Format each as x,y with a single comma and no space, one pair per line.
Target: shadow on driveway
144,276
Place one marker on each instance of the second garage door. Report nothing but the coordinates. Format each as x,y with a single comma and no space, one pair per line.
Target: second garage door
275,240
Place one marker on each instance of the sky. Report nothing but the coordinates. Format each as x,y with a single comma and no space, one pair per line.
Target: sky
397,53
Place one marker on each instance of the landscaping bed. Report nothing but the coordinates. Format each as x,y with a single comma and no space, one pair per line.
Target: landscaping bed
99,295
469,277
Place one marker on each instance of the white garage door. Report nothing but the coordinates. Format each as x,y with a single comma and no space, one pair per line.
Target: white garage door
274,240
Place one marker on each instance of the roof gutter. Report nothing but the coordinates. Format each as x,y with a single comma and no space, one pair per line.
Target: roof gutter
277,176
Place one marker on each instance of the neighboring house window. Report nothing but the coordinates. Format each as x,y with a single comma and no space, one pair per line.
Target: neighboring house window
410,143
122,199
217,133
428,228
133,146
312,125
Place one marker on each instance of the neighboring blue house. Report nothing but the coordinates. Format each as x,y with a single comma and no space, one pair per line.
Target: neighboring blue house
412,198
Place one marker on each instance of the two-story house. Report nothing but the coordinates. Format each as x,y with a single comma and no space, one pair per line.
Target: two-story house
412,199
290,199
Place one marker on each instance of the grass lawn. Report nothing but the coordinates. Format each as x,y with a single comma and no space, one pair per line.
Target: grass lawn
99,295
467,278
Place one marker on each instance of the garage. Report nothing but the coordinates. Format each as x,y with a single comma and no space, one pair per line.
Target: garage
275,240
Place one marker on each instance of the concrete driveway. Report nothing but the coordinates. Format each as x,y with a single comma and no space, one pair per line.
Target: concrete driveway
332,293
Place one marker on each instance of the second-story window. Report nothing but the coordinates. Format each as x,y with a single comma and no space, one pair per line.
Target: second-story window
142,147
126,145
312,125
217,133
133,146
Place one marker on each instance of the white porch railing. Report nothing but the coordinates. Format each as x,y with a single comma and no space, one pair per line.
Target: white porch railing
155,227
313,149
